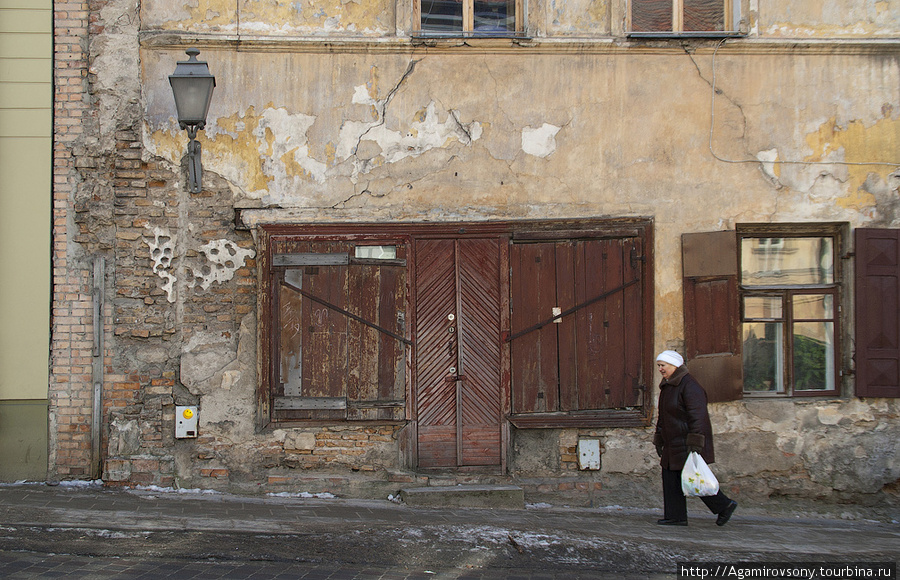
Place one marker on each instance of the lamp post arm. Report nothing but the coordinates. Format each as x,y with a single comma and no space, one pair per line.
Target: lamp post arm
195,169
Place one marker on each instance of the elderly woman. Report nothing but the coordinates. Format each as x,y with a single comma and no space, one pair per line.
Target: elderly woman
683,426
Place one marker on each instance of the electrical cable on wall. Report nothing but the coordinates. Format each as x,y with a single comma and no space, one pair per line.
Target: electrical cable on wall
712,125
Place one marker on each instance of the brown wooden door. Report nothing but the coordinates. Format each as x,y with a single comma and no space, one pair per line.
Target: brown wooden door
458,352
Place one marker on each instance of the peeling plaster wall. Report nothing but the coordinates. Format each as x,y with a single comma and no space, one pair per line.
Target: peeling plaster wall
312,17
390,134
307,133
812,19
391,137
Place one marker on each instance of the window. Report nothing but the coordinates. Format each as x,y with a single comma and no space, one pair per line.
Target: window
469,17
789,304
684,16
338,310
762,310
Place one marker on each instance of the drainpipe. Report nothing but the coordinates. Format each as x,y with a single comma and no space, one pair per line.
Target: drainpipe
97,365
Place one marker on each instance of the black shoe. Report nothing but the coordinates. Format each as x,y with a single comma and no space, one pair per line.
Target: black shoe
665,522
725,514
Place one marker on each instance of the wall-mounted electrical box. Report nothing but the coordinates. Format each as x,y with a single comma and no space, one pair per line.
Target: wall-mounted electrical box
589,453
185,422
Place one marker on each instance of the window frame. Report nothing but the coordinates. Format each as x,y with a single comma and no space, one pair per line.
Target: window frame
787,293
468,23
321,410
731,22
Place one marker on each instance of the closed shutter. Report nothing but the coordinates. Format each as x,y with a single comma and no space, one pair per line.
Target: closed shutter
339,338
877,312
589,359
712,323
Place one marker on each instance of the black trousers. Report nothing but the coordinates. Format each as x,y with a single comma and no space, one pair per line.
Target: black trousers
675,502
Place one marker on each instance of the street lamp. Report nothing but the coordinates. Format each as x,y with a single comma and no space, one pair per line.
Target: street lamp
192,86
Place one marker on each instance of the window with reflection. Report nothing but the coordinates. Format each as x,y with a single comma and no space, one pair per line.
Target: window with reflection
789,296
469,17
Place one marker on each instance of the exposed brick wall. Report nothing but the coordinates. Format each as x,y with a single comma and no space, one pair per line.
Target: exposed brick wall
109,198
71,339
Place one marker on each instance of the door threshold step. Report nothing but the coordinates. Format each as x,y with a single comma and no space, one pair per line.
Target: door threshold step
470,496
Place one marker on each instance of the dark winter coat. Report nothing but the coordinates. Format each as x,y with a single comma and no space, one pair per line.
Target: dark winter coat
683,421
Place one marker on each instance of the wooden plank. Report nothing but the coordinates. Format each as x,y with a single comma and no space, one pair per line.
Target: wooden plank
307,403
535,382
633,312
479,351
569,258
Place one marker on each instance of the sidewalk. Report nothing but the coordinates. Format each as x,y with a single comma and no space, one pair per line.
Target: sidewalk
90,520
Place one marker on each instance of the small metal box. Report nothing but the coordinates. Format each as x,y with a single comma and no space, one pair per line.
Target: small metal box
589,453
186,422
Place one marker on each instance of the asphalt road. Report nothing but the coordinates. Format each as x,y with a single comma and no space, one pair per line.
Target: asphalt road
93,532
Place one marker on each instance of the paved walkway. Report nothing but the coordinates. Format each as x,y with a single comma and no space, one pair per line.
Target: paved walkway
92,532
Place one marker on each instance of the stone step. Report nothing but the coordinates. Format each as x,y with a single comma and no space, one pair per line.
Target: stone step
470,496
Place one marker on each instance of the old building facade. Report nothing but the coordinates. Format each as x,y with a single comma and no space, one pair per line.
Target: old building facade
442,242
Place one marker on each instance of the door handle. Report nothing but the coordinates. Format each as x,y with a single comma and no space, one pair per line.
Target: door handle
454,378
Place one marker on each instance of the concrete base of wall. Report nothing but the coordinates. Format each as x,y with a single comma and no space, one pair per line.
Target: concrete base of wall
472,496
23,440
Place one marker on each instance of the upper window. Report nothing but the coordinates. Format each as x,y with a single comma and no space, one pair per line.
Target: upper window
469,17
683,16
789,304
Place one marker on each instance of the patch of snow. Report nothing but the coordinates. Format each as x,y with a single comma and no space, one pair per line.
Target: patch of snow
303,494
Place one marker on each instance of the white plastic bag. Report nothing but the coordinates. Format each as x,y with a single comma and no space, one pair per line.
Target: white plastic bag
697,479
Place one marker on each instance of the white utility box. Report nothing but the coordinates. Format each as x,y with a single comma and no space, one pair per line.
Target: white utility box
589,453
185,422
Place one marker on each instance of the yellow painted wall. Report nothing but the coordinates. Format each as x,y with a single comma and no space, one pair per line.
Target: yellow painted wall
25,226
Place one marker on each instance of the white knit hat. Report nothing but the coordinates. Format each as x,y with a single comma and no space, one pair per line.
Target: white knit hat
671,357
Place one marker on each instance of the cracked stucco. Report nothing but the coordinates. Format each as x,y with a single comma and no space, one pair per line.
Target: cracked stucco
540,141
316,17
601,134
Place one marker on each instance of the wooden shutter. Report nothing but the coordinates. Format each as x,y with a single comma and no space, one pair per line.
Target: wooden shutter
377,361
712,323
339,352
590,360
877,312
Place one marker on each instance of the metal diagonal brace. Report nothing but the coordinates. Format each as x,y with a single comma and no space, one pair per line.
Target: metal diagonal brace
337,308
556,317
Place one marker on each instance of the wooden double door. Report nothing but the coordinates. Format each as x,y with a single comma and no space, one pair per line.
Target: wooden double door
458,389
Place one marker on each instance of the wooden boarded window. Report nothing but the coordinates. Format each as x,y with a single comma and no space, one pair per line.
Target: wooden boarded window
338,340
877,312
578,331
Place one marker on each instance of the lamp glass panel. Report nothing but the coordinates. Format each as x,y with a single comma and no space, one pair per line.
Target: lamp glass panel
192,97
